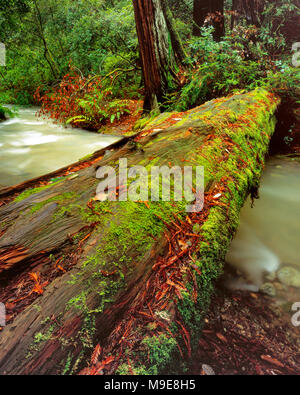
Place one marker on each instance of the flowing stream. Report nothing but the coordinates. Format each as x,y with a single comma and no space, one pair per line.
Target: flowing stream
31,147
267,243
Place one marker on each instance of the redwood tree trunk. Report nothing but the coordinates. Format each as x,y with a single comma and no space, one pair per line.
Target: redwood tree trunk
178,48
201,10
157,60
211,11
250,10
217,12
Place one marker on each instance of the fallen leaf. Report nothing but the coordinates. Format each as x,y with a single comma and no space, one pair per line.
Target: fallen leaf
221,337
271,360
96,353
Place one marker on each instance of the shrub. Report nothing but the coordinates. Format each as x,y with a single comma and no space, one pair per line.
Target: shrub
221,68
82,102
218,69
6,112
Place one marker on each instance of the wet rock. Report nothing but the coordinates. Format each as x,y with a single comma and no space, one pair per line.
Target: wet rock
268,289
207,370
271,276
289,276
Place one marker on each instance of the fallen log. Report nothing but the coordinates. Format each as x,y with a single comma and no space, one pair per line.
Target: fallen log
132,279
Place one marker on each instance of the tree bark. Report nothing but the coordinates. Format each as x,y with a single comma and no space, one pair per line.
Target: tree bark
75,272
250,10
201,11
47,53
211,11
177,46
217,11
156,56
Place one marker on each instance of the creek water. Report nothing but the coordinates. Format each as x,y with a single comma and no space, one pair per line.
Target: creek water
269,234
31,147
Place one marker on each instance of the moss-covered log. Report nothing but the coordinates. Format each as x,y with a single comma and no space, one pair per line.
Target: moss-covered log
134,277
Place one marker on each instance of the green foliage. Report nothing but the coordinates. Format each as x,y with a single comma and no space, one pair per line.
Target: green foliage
7,112
97,106
42,38
98,36
32,191
222,68
218,69
159,348
285,81
278,26
83,102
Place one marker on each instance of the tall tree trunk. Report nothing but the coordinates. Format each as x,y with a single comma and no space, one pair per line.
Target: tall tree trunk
211,11
250,10
217,12
156,56
201,10
178,48
233,13
47,53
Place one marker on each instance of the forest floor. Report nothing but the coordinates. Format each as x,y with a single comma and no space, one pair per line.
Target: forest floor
249,333
126,123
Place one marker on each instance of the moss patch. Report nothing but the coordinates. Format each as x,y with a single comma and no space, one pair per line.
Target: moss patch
28,192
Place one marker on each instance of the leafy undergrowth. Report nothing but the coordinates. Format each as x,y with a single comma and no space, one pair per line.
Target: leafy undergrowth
88,103
233,64
6,112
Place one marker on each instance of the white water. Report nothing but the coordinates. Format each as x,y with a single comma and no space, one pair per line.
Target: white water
269,233
31,147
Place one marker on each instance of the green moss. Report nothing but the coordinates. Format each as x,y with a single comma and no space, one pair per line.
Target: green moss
123,245
83,211
144,122
87,332
40,338
4,225
28,192
59,198
67,366
86,157
157,349
222,222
